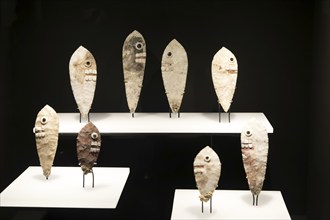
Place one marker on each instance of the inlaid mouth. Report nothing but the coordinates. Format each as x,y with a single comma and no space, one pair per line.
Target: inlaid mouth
90,75
232,71
95,146
198,169
140,57
39,131
247,145
167,67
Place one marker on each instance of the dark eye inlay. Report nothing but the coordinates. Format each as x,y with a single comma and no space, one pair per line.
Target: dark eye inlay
248,133
88,63
43,120
207,158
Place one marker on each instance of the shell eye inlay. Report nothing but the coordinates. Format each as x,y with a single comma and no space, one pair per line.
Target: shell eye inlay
139,46
248,133
207,158
88,63
169,54
94,135
44,120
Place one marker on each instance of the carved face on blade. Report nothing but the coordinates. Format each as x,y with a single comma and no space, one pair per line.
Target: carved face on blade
207,168
46,135
88,147
174,58
226,61
134,50
83,65
254,146
46,122
254,138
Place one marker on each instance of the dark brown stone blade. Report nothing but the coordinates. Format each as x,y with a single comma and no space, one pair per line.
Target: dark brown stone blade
88,147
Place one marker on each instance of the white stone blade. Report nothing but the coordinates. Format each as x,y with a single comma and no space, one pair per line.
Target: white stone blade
207,170
174,72
254,146
134,61
83,75
46,135
224,76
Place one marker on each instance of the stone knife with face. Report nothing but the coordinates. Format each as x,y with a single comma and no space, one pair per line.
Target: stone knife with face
174,69
46,135
88,147
83,74
254,146
207,170
134,56
224,76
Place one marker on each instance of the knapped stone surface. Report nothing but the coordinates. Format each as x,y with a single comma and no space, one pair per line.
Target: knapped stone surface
207,170
83,75
46,136
174,69
88,147
254,146
134,60
224,76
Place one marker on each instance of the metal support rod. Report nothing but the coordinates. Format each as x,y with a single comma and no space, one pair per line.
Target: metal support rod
84,179
211,205
255,199
219,109
132,114
88,118
93,178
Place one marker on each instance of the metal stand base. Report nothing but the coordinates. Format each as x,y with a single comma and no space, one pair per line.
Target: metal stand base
170,112
87,117
210,206
255,199
219,108
84,179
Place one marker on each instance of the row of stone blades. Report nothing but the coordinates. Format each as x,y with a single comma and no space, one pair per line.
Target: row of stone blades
174,67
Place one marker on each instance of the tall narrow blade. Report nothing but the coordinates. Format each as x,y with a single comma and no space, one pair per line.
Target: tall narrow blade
82,67
224,76
134,61
174,72
46,134
254,146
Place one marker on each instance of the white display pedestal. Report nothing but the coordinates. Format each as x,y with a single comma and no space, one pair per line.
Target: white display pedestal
123,123
64,188
229,204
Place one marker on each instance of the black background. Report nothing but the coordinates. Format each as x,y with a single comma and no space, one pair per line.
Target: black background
282,48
